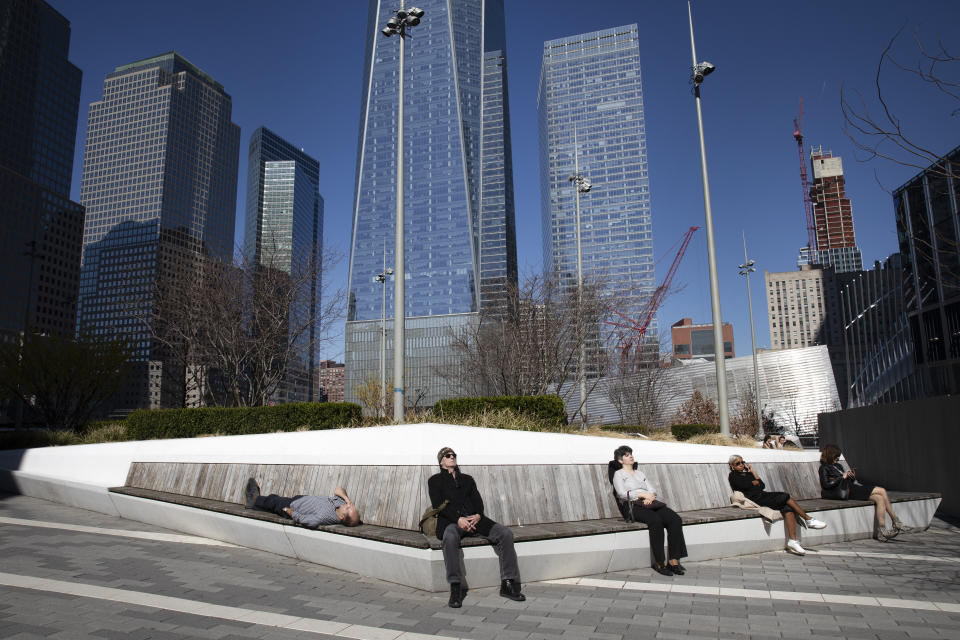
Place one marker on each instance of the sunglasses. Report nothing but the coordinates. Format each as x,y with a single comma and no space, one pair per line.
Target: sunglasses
449,455
739,463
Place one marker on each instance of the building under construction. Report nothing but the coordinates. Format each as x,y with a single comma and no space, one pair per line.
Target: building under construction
836,243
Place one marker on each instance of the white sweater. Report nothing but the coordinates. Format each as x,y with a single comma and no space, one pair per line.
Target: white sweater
628,486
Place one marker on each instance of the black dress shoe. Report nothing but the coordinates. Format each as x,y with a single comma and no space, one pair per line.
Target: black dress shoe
511,589
251,493
664,570
456,596
677,569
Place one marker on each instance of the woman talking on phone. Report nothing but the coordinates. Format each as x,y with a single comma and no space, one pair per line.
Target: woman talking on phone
744,479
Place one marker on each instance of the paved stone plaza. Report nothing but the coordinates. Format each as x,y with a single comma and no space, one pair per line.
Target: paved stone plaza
69,573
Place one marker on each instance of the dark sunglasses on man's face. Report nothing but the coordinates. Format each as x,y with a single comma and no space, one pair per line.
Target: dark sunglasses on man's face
449,455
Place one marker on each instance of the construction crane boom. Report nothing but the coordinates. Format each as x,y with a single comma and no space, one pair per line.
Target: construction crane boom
805,184
633,331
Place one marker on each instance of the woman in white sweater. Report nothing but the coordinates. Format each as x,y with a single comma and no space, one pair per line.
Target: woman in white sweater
632,486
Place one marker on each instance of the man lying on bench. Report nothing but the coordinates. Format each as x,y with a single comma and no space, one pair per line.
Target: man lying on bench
307,511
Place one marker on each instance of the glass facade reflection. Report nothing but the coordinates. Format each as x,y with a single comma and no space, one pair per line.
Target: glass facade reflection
590,91
928,228
159,185
458,198
42,227
284,230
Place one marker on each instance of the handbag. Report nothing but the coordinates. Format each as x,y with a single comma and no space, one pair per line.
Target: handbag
428,522
653,506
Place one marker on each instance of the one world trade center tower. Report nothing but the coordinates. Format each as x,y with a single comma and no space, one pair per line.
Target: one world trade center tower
460,242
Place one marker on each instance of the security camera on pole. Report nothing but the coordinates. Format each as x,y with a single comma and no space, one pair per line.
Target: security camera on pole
700,71
397,25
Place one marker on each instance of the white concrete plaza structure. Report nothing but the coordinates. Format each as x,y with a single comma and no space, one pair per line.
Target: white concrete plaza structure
81,475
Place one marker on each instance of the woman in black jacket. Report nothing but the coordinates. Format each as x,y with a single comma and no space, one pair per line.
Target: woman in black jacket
837,483
744,479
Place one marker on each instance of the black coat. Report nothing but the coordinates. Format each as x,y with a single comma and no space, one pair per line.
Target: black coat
463,500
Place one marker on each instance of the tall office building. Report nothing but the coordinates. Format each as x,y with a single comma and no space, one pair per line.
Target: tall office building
591,117
284,230
832,216
458,199
159,185
42,229
927,211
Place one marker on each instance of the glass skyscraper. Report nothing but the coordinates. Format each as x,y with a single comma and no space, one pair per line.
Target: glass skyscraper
159,185
591,105
42,228
459,221
284,230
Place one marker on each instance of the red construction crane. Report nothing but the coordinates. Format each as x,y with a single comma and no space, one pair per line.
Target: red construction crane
805,184
632,331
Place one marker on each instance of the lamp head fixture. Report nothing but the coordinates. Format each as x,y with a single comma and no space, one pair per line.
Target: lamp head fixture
701,71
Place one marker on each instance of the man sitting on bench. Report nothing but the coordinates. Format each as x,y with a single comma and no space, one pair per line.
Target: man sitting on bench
307,511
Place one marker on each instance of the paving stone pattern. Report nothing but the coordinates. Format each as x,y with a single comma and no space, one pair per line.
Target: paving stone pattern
258,581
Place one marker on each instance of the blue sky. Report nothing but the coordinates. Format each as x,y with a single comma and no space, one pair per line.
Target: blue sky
295,67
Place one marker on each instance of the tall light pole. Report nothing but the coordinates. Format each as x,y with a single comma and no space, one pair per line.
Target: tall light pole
397,25
382,279
745,270
582,186
700,71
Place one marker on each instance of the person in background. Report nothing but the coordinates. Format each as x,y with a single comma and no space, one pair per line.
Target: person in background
768,442
837,483
744,479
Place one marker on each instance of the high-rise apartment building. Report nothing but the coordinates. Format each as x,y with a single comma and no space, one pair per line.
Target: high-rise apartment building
458,199
804,311
159,185
330,381
42,229
799,303
284,230
928,228
591,119
832,215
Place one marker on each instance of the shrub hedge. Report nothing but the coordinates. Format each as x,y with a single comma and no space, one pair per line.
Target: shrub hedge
548,408
687,431
188,423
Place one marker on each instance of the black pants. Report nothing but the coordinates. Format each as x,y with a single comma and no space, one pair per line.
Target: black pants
275,503
656,521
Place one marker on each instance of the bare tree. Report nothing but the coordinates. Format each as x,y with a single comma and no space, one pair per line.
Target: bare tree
241,332
61,380
697,410
530,345
744,421
874,127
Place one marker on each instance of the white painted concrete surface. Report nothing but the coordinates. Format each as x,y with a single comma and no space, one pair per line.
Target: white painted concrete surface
106,465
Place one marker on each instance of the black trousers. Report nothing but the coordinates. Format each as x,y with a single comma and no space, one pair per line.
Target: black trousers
275,503
656,521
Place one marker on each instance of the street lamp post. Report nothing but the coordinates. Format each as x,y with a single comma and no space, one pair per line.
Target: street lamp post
397,25
700,71
582,186
382,279
745,270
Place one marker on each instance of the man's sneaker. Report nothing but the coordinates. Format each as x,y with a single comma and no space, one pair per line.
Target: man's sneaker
251,493
813,523
794,547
